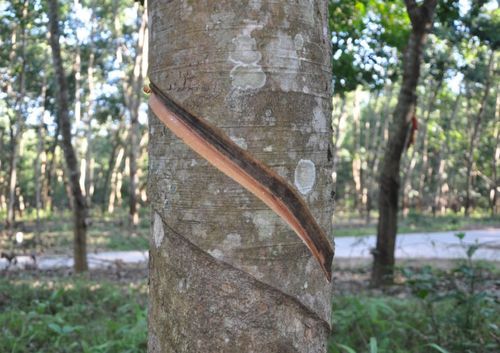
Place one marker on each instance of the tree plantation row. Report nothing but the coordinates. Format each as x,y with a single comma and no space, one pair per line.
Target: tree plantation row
451,129
365,112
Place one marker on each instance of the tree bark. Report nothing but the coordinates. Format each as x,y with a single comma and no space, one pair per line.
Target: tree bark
226,274
421,17
79,205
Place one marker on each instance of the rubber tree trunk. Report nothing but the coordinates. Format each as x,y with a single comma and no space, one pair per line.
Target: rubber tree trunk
133,103
50,171
421,20
117,141
17,52
443,155
476,129
38,165
79,205
226,274
494,163
116,177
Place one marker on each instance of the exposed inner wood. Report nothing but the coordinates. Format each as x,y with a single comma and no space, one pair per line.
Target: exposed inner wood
214,146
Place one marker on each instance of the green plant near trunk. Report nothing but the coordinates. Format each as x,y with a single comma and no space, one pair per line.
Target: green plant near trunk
71,316
444,312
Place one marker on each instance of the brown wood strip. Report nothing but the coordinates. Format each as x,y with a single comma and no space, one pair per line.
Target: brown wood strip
218,149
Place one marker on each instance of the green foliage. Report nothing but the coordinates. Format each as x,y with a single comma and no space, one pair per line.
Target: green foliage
433,318
366,34
67,316
437,311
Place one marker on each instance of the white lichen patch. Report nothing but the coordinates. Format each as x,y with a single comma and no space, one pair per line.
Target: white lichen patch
158,232
216,253
240,141
255,4
247,73
183,285
186,10
264,223
298,40
319,122
305,176
268,148
282,54
232,240
269,119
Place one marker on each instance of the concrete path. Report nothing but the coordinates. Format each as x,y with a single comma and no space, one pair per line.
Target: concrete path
99,260
438,245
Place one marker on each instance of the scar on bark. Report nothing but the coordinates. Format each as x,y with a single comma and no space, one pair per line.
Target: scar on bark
218,149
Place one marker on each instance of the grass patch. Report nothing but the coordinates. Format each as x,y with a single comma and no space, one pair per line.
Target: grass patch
409,325
455,311
415,223
434,311
71,316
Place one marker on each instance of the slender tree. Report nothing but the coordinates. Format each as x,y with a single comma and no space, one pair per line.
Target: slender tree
475,130
132,88
17,52
226,274
421,17
63,118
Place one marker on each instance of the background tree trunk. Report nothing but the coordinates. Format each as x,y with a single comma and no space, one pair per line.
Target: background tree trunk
476,127
79,205
16,129
356,159
134,94
421,20
494,162
439,205
226,274
116,178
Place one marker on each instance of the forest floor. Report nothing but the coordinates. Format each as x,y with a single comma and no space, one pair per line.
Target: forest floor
428,309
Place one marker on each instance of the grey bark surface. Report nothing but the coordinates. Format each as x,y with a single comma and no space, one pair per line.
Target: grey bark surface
421,16
226,274
73,175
